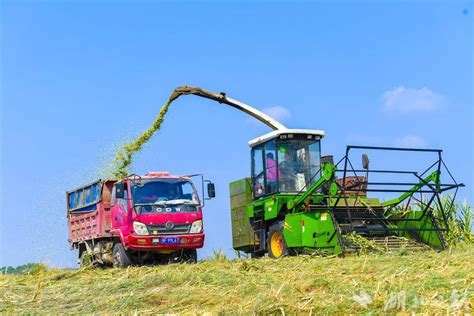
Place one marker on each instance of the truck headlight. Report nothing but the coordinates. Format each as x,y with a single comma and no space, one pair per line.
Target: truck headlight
140,229
196,227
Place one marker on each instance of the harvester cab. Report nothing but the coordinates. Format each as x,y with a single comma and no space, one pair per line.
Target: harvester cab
287,174
285,161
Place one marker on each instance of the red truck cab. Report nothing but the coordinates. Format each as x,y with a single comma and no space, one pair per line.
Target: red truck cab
152,218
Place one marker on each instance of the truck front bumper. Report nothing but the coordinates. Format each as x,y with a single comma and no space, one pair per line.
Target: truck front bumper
156,242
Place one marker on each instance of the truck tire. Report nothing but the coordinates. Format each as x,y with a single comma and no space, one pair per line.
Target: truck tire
189,256
276,244
184,256
120,258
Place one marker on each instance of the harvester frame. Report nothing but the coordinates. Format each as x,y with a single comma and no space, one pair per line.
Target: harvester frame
429,183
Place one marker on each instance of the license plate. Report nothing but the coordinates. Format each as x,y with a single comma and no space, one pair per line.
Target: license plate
156,240
170,240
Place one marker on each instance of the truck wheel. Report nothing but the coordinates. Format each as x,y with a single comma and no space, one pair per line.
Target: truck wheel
276,244
120,257
189,256
184,256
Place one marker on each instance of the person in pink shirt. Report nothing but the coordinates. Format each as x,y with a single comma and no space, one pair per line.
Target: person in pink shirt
271,168
271,173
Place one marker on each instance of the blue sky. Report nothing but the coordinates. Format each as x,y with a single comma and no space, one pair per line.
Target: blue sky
79,79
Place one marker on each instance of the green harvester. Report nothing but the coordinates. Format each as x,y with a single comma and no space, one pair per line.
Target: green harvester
297,201
294,202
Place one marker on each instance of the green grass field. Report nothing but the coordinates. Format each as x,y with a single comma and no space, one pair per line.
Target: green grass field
422,282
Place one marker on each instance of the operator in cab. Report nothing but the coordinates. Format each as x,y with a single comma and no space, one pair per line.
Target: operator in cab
288,169
271,173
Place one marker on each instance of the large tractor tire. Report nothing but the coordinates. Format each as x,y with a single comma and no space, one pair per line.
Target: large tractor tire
120,258
276,244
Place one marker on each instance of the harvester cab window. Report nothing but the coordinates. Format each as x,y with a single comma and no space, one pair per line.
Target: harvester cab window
258,177
289,164
271,168
299,164
314,162
288,167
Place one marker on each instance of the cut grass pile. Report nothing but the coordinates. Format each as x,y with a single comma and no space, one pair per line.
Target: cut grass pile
420,282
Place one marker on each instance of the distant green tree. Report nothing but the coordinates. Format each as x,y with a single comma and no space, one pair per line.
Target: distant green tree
29,268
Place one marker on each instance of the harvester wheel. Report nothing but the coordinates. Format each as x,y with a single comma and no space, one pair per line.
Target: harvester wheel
276,241
121,258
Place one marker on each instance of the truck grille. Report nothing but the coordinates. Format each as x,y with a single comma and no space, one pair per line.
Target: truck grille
161,229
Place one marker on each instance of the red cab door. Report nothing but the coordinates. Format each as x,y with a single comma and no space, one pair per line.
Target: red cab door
120,212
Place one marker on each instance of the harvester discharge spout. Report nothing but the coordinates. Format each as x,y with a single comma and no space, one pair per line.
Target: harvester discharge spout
222,98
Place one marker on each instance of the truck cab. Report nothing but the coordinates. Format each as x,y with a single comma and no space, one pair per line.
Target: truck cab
152,218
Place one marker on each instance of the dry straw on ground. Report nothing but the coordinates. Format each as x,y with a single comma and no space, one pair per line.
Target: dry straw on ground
422,282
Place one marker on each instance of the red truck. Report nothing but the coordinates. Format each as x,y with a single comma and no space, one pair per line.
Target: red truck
154,218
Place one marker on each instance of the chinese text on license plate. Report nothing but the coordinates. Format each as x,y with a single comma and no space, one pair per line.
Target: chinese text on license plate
170,240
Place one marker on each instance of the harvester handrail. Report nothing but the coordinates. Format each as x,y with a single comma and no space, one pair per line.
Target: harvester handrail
382,171
393,148
403,183
400,229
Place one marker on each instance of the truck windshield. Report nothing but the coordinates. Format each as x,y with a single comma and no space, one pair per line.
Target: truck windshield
164,192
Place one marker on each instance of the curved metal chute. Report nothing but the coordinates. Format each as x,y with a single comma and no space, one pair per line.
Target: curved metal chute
222,98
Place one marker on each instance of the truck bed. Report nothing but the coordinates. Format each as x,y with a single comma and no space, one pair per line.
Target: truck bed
93,224
89,214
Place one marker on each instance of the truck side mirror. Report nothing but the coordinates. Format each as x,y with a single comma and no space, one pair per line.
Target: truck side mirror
211,190
365,161
120,190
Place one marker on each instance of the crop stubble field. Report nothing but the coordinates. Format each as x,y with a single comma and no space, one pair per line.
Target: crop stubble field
434,282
